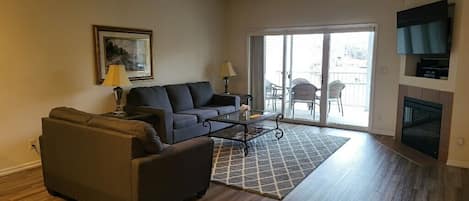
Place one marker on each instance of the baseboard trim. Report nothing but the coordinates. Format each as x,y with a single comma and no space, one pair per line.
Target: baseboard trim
460,164
19,168
383,132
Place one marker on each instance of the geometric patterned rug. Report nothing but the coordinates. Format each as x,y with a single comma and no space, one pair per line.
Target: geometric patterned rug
273,167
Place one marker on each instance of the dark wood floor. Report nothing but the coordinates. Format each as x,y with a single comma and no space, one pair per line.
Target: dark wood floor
363,169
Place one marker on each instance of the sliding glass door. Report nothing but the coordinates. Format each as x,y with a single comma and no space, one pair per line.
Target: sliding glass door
273,74
305,77
349,78
321,77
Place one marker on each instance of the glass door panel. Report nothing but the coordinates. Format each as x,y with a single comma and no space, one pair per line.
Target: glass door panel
303,82
349,78
273,77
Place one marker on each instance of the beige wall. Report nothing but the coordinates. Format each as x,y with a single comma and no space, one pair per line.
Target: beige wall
246,16
47,57
459,154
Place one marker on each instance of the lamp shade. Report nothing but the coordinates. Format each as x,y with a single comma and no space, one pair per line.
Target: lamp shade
227,70
116,77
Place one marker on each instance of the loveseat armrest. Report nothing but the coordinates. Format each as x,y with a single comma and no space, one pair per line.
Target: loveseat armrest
163,124
180,171
226,99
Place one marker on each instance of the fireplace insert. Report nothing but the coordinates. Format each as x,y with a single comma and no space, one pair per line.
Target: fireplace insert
421,125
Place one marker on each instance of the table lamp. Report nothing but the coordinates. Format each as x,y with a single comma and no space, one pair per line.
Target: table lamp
226,72
117,77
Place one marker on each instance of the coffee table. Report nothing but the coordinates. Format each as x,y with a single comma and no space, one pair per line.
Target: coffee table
245,126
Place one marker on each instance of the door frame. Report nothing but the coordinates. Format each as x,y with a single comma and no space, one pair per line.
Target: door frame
326,30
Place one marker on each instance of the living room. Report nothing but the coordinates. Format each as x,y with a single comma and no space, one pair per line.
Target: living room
191,40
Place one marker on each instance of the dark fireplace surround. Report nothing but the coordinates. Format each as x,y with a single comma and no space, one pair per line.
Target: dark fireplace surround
421,131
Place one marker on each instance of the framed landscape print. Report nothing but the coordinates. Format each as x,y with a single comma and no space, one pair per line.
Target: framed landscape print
126,46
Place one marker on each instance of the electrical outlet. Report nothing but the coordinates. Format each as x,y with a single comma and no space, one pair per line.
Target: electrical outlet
460,141
33,144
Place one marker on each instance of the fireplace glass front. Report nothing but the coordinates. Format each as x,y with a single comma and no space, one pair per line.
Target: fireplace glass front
421,125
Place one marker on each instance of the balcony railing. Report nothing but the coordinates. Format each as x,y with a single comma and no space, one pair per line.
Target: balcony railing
356,91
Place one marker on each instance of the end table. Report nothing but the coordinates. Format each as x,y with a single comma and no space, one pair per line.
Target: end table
131,116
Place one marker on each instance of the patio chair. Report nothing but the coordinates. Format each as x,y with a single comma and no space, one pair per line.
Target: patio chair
297,81
304,93
335,94
273,93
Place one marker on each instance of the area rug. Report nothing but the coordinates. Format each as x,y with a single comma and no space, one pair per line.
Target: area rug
273,167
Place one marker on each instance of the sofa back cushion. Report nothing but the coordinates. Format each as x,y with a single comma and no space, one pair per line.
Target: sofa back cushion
201,92
149,96
180,97
143,131
70,115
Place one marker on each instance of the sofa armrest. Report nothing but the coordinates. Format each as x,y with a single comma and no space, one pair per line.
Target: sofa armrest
226,99
181,170
163,124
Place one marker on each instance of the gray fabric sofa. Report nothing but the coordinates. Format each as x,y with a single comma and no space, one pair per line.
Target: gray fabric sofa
95,158
182,108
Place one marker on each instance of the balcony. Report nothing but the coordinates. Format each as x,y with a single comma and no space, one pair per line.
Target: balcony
355,98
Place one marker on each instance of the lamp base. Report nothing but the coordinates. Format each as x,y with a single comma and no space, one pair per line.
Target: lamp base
118,91
226,85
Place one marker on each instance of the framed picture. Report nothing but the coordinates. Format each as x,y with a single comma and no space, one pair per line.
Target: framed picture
126,46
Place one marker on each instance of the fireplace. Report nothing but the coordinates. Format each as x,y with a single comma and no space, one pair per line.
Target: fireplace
421,125
425,107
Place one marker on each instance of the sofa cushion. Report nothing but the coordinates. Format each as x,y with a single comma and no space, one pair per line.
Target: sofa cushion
71,115
184,120
141,130
180,97
201,92
201,114
149,96
221,109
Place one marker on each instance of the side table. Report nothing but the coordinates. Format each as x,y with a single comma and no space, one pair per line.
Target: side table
134,116
245,98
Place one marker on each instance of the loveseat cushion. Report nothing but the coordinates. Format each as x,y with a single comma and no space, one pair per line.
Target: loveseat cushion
70,115
202,114
201,92
155,96
221,109
184,120
180,97
141,130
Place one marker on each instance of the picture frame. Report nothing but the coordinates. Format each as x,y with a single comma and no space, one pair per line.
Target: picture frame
130,47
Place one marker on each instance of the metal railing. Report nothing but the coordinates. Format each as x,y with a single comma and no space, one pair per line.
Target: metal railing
356,92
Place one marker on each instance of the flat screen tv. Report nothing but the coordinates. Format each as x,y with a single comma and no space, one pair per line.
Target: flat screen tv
424,30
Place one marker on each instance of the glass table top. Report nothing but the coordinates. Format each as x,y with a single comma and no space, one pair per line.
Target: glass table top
244,117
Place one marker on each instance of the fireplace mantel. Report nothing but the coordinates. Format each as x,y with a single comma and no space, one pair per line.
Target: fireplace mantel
442,97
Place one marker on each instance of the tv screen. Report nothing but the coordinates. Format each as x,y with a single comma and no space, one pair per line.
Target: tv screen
423,30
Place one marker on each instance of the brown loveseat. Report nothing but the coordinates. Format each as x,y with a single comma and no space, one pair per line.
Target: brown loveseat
90,157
